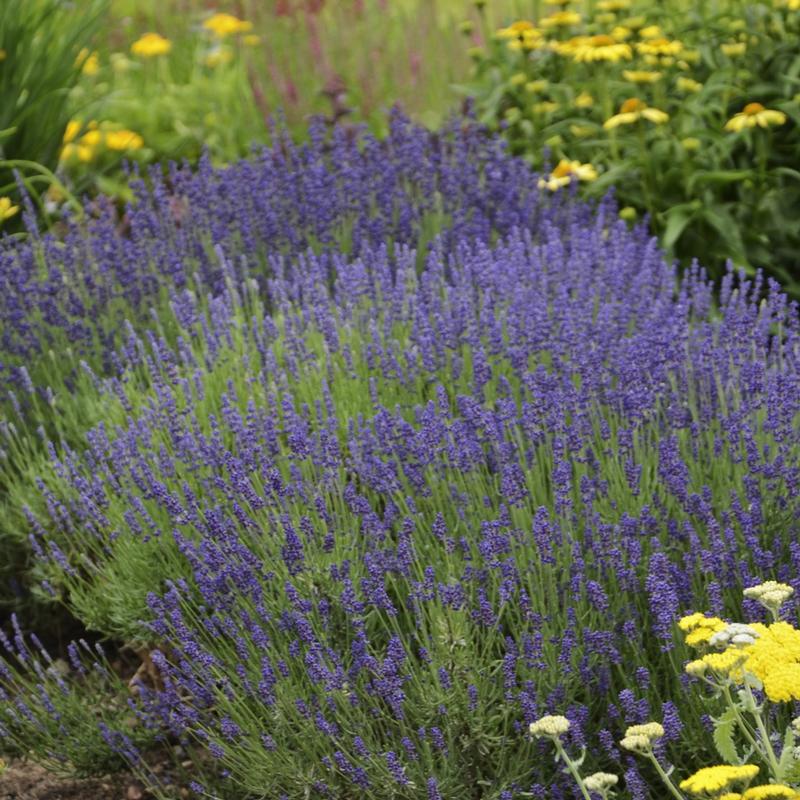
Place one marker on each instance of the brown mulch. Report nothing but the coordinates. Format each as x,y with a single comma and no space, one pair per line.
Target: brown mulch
23,780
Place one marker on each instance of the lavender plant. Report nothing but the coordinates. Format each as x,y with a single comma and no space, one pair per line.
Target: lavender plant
376,515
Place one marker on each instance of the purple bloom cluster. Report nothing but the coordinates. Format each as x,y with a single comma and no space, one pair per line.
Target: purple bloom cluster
380,512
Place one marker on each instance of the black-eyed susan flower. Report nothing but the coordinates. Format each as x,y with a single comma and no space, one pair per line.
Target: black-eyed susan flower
565,172
223,25
755,115
713,780
641,75
634,109
7,209
601,48
150,45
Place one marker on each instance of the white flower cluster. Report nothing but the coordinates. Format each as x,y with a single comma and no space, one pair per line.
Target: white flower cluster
640,738
552,726
770,594
600,782
735,633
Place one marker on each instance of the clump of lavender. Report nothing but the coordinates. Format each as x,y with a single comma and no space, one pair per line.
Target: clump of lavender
379,513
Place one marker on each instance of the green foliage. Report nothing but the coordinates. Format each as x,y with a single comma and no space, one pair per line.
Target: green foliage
40,48
709,191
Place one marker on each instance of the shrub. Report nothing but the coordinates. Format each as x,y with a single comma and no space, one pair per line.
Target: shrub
377,514
691,115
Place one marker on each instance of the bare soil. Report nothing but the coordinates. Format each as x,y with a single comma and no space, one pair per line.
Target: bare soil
23,780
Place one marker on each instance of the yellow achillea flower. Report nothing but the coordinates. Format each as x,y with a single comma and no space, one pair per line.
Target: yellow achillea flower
561,19
660,46
641,75
727,664
123,140
149,45
222,25
772,791
584,100
688,85
601,48
752,115
564,173
7,209
730,796
704,627
713,780
652,730
696,668
732,49
632,110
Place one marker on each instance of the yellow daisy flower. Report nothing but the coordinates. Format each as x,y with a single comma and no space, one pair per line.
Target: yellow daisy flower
660,46
7,209
641,75
565,172
632,110
149,45
602,48
752,115
222,25
561,19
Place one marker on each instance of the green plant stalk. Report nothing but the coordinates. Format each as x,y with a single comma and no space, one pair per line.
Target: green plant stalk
664,777
572,767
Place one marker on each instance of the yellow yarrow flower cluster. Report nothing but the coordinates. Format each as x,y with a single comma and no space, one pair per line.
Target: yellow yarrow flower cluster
699,628
770,791
713,780
150,45
223,25
774,659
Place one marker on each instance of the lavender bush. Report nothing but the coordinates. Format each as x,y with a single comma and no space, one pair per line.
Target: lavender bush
373,513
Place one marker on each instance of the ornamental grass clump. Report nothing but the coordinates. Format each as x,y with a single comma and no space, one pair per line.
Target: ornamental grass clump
373,514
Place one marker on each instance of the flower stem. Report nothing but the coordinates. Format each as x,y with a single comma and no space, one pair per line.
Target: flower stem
665,778
572,768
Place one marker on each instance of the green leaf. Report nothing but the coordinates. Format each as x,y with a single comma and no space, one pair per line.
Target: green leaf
678,217
724,728
719,176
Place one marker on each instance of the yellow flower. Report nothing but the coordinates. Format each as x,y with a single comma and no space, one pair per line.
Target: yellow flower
515,29
650,32
640,75
518,79
713,780
123,140
613,5
92,138
629,213
732,49
584,100
727,664
602,48
149,45
688,85
652,730
581,131
660,46
7,209
252,40
754,114
545,107
222,25
536,86
772,791
730,796
696,668
632,110
73,128
88,62
690,144
561,19
565,172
